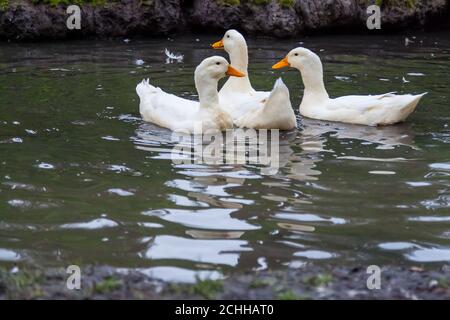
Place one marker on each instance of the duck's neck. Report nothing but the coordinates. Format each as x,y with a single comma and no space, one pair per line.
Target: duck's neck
239,60
315,92
207,91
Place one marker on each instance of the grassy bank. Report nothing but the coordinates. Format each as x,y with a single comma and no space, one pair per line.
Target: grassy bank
309,282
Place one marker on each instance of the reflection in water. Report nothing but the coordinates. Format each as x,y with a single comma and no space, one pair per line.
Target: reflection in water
201,234
386,137
429,255
9,255
205,251
205,185
212,219
212,186
309,217
175,274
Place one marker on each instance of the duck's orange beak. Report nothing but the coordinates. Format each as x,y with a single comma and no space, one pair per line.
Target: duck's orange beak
281,64
218,45
234,72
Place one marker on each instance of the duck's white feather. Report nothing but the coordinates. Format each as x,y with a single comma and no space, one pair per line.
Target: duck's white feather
383,109
164,109
237,104
248,107
183,115
273,112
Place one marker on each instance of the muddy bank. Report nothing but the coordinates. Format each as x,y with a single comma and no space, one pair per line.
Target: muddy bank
23,20
308,282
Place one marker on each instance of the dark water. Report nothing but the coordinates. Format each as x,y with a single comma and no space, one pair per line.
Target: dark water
83,180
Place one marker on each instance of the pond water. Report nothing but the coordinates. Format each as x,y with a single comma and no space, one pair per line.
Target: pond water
84,180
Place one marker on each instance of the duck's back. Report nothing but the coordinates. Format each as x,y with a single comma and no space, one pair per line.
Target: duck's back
164,109
368,110
273,112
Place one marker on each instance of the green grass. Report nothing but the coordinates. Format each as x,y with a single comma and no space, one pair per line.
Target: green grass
208,289
230,2
393,3
283,3
4,4
107,285
23,283
259,283
286,3
443,283
288,295
55,3
260,2
319,280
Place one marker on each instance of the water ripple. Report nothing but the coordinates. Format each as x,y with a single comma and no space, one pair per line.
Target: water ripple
204,251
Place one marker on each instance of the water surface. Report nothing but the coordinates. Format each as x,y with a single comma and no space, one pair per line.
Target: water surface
84,180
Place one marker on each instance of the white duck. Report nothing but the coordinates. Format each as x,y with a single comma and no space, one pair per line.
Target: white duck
182,115
248,107
370,110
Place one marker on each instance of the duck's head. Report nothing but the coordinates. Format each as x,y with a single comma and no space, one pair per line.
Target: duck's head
216,68
231,39
298,58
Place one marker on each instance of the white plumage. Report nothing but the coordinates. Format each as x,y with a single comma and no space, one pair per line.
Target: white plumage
383,109
248,107
187,116
274,112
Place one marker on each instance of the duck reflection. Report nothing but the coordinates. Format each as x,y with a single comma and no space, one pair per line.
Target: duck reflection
245,165
219,252
386,137
212,211
209,219
222,206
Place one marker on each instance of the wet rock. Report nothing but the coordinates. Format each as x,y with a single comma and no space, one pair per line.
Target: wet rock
403,15
329,13
306,16
24,20
214,14
272,19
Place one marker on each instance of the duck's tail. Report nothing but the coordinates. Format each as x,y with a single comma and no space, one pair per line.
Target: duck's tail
410,106
414,101
144,88
279,92
419,96
279,103
145,91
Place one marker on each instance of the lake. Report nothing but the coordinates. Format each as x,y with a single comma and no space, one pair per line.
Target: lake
83,180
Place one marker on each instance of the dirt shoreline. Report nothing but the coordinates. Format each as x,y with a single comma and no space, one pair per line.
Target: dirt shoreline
308,282
25,20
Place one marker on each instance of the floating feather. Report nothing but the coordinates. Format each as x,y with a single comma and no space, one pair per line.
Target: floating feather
172,57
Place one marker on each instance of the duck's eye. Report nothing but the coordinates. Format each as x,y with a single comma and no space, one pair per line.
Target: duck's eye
217,63
228,36
296,54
